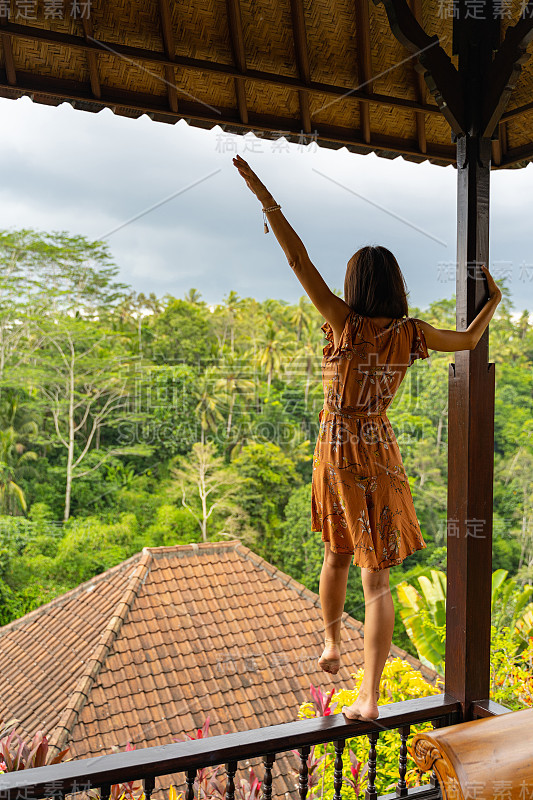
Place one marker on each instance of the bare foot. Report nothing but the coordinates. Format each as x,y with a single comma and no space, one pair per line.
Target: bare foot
364,707
330,659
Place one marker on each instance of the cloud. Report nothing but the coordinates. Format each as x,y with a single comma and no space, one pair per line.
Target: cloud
90,173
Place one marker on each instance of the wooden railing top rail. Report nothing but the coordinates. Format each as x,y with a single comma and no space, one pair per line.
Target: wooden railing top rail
489,708
181,756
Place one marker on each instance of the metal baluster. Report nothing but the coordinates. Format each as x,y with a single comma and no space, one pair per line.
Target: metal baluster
370,792
401,786
268,760
231,769
191,777
105,791
148,785
303,780
337,774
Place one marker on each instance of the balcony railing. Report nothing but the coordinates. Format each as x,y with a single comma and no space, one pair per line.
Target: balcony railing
146,764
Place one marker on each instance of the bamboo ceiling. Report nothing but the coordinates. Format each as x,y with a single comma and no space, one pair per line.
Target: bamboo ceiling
328,69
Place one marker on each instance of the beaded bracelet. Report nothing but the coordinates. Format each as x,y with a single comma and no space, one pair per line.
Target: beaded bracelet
271,208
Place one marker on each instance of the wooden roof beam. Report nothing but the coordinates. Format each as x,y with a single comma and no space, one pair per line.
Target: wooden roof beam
226,70
239,56
420,86
92,58
440,74
165,19
517,112
499,145
364,62
505,69
302,60
7,47
517,154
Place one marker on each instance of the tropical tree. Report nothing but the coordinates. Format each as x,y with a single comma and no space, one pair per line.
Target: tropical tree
83,386
273,348
235,370
210,391
193,297
511,605
207,487
232,309
301,316
56,272
14,460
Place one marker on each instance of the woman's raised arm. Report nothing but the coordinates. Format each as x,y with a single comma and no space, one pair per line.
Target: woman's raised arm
452,341
332,307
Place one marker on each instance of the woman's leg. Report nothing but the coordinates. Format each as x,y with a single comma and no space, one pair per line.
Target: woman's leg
379,627
332,588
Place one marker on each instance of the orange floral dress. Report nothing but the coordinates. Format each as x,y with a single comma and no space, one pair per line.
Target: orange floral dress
361,499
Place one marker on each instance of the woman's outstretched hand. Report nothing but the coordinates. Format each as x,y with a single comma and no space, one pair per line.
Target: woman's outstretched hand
494,289
252,181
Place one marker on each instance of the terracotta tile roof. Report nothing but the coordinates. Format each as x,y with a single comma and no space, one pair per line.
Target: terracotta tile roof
148,649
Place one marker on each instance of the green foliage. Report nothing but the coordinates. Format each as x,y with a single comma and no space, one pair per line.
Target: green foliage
511,667
511,605
179,333
152,377
424,612
298,551
172,525
269,476
208,490
90,547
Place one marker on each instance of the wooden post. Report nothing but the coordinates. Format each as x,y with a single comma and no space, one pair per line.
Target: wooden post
471,394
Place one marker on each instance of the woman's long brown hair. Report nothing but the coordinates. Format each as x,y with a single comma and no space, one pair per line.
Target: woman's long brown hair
374,285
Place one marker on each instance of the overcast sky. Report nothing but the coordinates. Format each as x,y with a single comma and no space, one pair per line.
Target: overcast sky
92,174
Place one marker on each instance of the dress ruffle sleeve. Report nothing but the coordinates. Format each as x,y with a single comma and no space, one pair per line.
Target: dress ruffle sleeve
346,340
418,342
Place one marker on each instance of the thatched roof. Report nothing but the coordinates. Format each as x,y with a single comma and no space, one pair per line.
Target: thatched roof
330,70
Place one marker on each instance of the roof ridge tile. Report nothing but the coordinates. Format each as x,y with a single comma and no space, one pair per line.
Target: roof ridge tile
178,549
94,663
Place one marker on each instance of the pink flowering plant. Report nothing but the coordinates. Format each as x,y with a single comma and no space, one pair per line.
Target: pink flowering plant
16,754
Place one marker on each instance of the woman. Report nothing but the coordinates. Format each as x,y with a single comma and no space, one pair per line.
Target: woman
361,500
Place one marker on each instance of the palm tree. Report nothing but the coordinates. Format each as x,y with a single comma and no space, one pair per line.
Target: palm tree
307,353
151,303
14,459
274,345
193,296
301,315
235,372
233,305
210,390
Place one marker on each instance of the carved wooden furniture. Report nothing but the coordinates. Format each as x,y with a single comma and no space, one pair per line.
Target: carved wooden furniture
483,759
